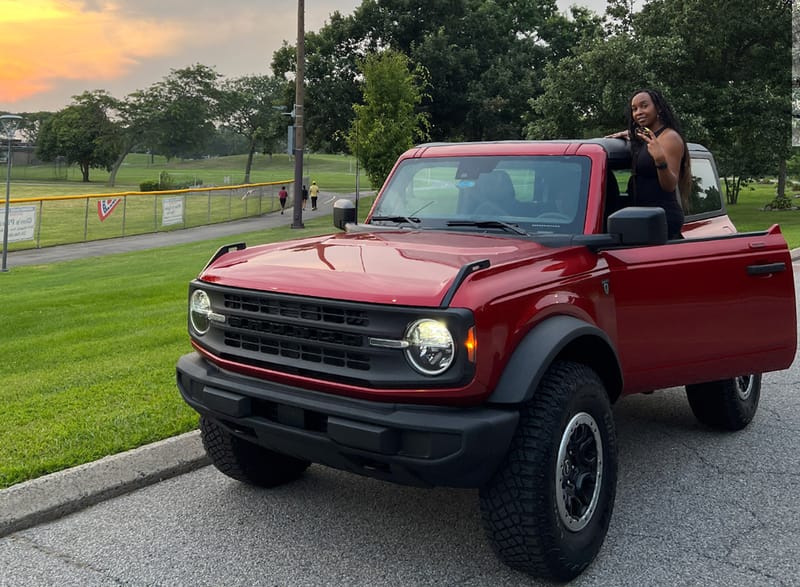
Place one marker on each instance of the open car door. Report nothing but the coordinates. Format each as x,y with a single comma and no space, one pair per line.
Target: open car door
698,310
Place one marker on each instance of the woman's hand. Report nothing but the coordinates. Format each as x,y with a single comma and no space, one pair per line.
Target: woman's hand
623,134
654,147
667,152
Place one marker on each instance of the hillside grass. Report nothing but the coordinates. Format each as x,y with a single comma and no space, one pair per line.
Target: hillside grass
331,172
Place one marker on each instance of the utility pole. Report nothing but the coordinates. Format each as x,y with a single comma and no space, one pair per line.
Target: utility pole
297,218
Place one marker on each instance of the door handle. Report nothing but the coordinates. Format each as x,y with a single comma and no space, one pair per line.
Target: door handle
766,269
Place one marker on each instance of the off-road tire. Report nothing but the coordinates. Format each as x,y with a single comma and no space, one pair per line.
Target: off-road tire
729,404
245,461
526,525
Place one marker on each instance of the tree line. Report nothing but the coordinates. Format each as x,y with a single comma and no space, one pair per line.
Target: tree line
399,71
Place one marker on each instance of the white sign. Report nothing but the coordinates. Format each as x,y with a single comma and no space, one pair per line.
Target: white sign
172,211
21,223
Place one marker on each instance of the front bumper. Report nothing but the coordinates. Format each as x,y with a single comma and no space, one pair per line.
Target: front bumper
408,444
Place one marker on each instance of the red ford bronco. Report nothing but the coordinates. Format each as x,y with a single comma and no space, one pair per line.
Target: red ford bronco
476,330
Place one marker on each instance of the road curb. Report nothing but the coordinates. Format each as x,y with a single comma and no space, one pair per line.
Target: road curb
50,497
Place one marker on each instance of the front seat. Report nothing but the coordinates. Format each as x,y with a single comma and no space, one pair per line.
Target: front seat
495,195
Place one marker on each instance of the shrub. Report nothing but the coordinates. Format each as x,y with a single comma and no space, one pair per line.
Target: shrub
151,185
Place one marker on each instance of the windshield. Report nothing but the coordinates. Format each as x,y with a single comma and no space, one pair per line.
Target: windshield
536,194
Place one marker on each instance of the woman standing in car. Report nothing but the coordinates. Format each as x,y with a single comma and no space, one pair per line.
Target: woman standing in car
661,174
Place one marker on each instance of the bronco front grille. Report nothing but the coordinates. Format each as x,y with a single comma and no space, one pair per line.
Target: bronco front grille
296,339
319,338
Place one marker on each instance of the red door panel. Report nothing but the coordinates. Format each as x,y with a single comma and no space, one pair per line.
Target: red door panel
702,310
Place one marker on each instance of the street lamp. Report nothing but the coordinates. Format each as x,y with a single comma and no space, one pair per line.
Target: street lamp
10,123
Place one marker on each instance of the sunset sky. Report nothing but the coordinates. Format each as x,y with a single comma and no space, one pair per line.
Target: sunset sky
51,50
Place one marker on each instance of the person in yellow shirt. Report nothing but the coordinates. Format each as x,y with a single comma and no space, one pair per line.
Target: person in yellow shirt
314,193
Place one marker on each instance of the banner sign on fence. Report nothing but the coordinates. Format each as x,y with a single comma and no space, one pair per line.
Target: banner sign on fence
21,223
172,211
106,207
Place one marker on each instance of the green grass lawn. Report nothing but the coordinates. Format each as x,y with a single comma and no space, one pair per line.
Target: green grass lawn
89,350
748,215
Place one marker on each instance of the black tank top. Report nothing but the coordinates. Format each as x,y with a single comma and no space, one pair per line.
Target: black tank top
649,193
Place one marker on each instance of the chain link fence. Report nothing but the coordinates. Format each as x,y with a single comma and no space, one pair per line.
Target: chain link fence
58,220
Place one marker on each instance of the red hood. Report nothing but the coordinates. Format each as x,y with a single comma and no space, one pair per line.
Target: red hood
403,268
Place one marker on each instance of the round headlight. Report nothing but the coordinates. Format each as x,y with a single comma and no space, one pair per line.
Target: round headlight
200,311
430,347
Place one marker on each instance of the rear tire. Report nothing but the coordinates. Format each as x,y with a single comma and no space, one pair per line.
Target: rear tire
245,461
547,509
729,404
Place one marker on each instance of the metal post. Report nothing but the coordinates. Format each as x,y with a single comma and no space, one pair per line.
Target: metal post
297,218
10,123
358,171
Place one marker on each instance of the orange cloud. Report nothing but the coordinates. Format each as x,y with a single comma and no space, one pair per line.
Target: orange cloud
45,41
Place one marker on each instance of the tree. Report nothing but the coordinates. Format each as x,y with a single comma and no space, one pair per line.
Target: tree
173,117
82,133
181,109
723,65
137,118
735,80
249,106
485,57
388,122
331,73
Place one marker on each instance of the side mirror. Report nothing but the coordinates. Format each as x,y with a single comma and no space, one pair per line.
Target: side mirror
344,213
638,225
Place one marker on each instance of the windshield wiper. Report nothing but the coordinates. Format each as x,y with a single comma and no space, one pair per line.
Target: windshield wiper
489,224
406,219
410,219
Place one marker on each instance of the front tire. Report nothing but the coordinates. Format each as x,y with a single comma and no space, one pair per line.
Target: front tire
547,509
245,461
729,404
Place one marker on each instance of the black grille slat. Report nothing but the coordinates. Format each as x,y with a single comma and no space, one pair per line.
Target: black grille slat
300,310
293,350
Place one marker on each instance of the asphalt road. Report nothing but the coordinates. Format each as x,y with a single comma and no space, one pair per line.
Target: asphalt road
694,507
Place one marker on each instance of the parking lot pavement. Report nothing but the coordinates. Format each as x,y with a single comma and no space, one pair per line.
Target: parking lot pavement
53,496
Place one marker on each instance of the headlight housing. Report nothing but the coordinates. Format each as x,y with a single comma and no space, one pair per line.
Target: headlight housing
200,311
430,348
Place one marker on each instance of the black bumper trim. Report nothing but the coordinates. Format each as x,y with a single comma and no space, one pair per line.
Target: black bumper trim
403,443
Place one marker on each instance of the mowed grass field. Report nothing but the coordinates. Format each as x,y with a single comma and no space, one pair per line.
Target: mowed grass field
88,347
332,173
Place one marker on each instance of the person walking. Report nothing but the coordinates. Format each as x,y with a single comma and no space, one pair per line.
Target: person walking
314,195
305,196
282,195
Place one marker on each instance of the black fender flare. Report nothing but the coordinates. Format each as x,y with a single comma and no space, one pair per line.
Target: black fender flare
561,336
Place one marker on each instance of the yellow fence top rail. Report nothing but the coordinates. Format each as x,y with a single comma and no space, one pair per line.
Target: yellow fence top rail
153,193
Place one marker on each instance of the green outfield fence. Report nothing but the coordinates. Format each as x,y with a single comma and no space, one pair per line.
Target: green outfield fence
57,220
